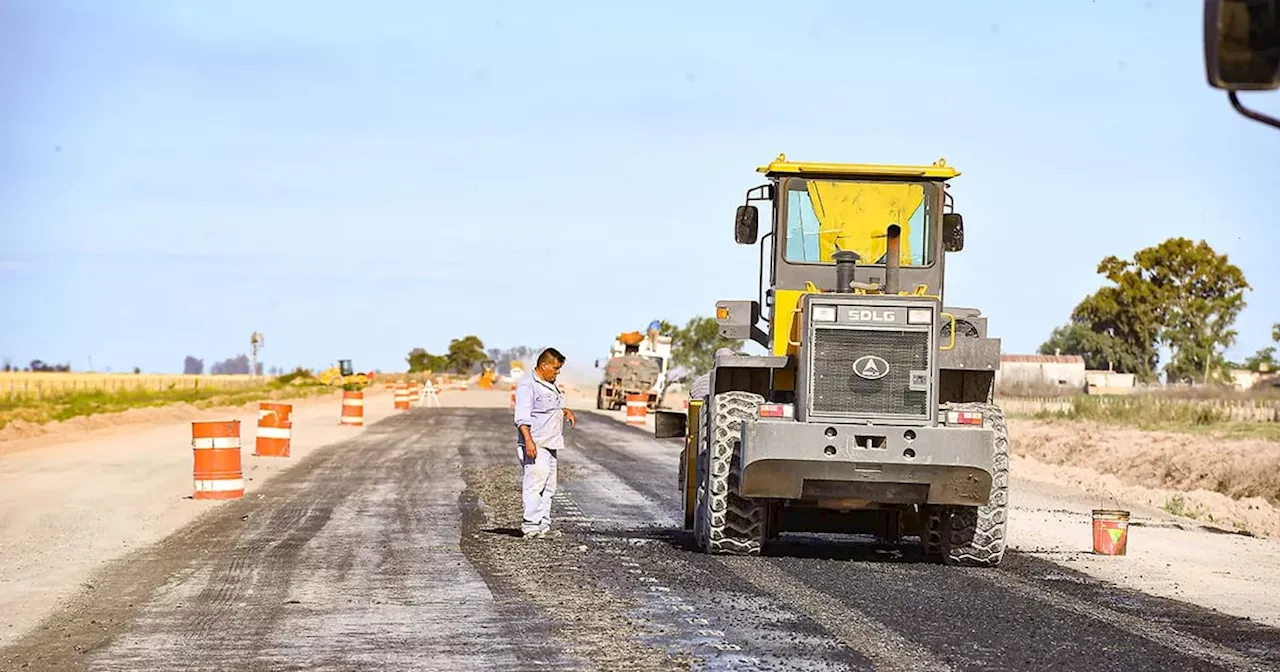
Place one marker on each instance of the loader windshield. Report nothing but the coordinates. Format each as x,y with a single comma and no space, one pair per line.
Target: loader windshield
823,216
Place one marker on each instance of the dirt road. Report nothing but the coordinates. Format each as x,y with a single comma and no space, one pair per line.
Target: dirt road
396,549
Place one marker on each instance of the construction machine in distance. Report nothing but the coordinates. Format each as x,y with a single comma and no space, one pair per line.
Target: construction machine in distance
637,365
487,374
872,412
515,371
343,374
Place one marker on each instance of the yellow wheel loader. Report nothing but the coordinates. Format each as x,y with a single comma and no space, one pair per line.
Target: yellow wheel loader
872,412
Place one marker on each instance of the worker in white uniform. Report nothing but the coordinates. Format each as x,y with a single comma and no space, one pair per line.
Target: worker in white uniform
539,419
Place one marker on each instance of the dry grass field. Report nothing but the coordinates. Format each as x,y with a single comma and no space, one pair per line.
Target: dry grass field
36,398
25,385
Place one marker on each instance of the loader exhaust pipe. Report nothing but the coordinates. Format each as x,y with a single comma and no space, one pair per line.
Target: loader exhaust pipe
893,258
846,267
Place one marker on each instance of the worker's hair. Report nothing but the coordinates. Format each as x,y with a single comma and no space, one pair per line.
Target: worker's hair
551,355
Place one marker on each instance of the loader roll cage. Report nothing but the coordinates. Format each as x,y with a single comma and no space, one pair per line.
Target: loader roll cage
853,205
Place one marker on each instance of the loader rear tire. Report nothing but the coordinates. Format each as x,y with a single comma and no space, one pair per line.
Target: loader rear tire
724,522
974,536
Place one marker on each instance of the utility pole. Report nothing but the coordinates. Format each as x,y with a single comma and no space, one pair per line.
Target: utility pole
255,343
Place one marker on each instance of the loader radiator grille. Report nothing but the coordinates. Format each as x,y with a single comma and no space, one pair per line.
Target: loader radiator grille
836,390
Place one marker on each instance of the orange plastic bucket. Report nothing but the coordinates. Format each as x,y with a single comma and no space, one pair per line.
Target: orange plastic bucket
1110,531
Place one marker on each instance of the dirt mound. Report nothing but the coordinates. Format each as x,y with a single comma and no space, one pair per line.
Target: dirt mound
1235,483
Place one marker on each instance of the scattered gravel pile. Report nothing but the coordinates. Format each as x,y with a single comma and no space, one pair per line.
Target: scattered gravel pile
557,575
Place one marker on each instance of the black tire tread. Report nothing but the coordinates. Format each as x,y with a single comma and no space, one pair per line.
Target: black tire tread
975,536
724,522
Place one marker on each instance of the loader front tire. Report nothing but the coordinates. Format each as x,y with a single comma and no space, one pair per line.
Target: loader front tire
974,536
724,522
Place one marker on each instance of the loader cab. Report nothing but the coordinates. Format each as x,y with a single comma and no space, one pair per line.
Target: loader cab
344,367
821,212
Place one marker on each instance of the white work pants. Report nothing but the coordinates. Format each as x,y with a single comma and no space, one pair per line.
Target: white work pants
538,488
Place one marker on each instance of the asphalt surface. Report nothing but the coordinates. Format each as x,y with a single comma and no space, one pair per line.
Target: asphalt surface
399,550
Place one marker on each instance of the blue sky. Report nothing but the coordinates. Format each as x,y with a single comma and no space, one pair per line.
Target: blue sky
357,182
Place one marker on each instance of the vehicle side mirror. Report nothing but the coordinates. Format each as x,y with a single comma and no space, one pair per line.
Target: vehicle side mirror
746,225
597,363
952,232
1242,44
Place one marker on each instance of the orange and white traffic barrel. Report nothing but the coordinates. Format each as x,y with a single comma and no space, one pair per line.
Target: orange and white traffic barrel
637,409
415,394
402,397
275,430
352,408
216,455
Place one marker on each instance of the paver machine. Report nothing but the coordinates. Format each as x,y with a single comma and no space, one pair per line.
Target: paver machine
872,411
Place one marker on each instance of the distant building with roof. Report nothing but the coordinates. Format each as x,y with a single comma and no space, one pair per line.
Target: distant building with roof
1040,372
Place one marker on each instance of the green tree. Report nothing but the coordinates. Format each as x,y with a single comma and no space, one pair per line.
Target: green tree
1112,329
465,353
1075,338
1178,293
1263,358
421,360
1199,294
694,345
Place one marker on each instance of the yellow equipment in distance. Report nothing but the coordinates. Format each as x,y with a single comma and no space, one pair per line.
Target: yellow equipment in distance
487,374
343,374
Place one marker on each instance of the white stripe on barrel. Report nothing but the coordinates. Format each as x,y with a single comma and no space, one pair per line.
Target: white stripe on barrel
222,485
637,409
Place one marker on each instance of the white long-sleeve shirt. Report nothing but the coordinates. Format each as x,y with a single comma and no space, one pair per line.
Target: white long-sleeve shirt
540,407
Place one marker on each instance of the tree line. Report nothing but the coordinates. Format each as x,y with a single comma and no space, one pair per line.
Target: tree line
238,365
37,365
1181,295
466,355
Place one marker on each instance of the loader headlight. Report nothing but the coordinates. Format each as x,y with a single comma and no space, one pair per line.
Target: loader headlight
919,316
824,313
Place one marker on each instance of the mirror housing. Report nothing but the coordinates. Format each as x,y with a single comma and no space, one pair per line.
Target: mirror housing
952,232
1242,44
746,225
597,363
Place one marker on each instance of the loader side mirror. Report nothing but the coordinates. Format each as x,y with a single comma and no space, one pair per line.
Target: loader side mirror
952,232
597,363
746,225
1242,44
